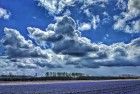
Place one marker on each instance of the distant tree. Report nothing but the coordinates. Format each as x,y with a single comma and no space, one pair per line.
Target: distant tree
35,74
58,74
10,74
47,74
54,74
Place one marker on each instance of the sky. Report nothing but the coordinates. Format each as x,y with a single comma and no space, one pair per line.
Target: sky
95,37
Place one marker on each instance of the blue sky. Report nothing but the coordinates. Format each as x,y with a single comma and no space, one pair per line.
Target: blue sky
103,35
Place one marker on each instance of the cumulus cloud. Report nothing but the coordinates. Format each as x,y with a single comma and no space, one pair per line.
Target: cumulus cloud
67,47
116,55
55,6
4,13
3,62
23,54
84,26
42,37
81,52
31,63
65,28
17,46
63,7
129,20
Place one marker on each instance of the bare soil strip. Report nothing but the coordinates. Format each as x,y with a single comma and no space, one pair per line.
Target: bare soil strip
53,82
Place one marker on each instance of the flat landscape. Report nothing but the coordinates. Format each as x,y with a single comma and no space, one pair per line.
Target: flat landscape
69,46
72,87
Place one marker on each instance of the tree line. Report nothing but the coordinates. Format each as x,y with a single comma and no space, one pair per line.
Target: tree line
64,74
61,76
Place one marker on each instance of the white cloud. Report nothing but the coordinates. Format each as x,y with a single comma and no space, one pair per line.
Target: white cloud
69,49
41,36
105,13
67,12
93,2
120,24
17,46
50,5
63,7
119,54
61,45
54,61
55,6
121,4
84,26
134,27
4,13
87,12
66,35
95,21
80,52
128,21
106,37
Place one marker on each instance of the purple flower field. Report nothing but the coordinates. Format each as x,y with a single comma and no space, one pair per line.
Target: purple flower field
83,87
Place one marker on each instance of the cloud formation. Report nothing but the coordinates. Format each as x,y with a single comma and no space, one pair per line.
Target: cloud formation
67,35
65,7
17,46
129,20
55,6
4,14
95,21
84,26
66,47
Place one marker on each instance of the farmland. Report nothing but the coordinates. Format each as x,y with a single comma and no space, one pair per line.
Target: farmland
72,87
